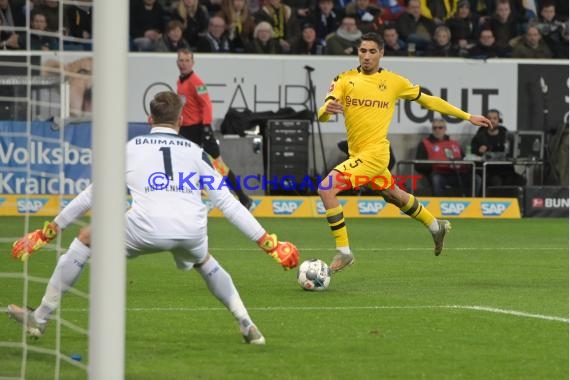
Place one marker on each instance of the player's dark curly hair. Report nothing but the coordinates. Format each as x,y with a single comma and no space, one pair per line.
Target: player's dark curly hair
374,37
165,107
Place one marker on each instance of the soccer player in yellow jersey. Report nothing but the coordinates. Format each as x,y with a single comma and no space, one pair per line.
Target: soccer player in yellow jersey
367,96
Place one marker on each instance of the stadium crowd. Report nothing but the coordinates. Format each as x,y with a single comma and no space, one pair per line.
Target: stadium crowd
431,28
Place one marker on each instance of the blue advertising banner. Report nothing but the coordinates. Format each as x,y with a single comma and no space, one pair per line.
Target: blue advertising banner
47,160
44,160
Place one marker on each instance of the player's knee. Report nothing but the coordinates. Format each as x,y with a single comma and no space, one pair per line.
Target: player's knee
84,236
392,197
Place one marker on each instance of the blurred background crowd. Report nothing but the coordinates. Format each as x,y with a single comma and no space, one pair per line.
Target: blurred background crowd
478,29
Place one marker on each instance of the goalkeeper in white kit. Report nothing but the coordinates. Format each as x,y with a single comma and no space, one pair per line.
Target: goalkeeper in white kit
164,175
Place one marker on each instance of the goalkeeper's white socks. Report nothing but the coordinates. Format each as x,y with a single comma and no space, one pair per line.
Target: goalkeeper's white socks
65,275
222,286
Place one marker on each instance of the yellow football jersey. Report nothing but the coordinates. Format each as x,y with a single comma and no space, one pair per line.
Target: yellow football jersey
369,102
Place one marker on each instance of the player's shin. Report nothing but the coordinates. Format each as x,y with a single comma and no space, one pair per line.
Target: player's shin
418,212
221,285
64,276
335,219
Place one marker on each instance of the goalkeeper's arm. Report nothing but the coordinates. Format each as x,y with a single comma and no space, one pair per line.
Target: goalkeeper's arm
35,240
284,253
75,209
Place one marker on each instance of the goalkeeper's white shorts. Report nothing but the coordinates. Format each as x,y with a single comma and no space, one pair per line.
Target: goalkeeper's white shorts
186,252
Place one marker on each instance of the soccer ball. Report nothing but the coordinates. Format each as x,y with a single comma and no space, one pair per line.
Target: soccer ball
314,274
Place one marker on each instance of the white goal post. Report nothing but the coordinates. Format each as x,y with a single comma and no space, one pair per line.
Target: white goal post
108,263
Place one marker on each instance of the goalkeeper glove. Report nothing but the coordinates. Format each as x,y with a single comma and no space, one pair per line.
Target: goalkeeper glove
284,253
25,246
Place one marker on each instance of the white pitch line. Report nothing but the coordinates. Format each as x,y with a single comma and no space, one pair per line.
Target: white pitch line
11,240
396,249
488,309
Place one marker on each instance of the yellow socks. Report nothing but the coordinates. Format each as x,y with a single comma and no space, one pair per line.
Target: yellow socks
335,218
414,209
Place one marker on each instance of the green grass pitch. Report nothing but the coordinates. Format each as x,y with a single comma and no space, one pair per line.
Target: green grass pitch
493,306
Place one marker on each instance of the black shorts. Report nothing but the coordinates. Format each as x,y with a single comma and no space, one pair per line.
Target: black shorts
203,136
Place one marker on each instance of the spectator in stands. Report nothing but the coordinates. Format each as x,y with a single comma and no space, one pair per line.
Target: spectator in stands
38,41
531,45
562,51
79,25
215,40
240,23
504,24
495,144
263,41
346,39
367,15
438,11
552,28
326,20
307,42
213,6
11,15
393,45
464,27
391,10
147,20
414,28
280,17
441,45
194,18
303,10
445,179
50,8
172,40
486,47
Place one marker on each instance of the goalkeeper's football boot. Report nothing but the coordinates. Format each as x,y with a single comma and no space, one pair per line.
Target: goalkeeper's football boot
341,261
254,336
26,317
439,236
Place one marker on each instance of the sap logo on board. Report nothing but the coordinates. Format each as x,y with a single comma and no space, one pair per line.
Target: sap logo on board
370,207
321,207
494,208
63,203
453,208
285,207
30,206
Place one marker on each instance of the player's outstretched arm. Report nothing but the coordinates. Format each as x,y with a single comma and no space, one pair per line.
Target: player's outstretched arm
480,121
24,247
435,103
284,253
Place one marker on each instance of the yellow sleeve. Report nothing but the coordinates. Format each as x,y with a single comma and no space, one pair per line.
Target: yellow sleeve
323,115
334,92
424,9
435,103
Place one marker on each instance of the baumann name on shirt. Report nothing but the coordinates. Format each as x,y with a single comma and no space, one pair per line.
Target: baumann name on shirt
159,141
